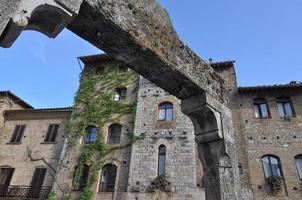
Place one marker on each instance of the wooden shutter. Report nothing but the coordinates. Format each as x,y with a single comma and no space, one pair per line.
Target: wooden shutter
37,182
123,93
6,175
52,133
18,133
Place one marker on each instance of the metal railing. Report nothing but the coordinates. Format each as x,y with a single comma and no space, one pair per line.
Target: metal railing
20,192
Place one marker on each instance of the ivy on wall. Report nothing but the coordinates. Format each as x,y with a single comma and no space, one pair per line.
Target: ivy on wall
94,105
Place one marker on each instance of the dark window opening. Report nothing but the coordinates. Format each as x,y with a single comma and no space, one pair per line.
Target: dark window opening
166,111
122,69
108,177
114,134
91,134
6,174
285,108
298,160
271,166
18,133
52,133
120,94
84,177
240,168
37,182
261,108
162,160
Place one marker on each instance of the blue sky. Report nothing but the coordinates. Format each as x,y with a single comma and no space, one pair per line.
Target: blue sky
263,36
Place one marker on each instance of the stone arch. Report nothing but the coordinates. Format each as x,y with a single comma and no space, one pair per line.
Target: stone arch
47,19
141,35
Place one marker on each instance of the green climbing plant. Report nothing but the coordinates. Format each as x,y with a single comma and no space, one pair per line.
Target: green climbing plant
94,105
52,196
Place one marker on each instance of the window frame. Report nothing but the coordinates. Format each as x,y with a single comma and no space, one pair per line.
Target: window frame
82,178
283,101
52,133
110,133
17,135
165,104
9,174
112,168
270,165
298,157
257,103
164,153
120,94
90,133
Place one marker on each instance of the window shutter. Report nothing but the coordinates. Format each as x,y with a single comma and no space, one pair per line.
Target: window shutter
54,132
123,93
48,134
15,134
37,182
18,133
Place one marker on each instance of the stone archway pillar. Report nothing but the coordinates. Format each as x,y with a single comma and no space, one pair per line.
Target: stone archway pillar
216,149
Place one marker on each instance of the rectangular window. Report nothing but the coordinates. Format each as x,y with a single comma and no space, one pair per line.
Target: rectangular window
285,109
261,110
18,133
123,94
37,183
52,133
6,175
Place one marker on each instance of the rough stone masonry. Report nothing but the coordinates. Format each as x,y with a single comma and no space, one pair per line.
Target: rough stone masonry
140,34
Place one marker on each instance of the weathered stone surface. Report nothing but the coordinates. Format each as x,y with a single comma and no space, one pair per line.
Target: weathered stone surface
140,34
178,138
46,16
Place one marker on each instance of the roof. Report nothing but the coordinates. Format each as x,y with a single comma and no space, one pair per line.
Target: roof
95,58
42,113
278,87
44,110
16,99
228,63
63,109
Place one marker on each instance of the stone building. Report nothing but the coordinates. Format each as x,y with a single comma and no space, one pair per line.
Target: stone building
130,140
31,142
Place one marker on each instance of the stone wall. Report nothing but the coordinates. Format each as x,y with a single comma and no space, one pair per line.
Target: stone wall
71,156
177,136
274,135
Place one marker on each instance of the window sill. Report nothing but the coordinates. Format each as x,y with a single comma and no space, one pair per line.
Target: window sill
105,192
13,143
48,143
164,121
262,118
114,145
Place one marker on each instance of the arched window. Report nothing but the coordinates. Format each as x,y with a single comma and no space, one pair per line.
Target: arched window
107,182
162,160
298,160
285,107
120,94
114,134
91,134
271,166
261,108
165,111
